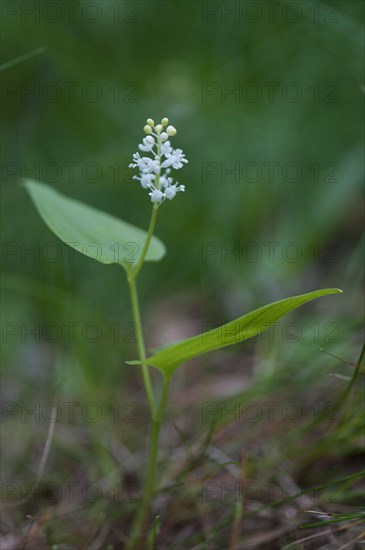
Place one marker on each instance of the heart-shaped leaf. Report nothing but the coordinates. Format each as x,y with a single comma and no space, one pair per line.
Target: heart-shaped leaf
251,324
90,231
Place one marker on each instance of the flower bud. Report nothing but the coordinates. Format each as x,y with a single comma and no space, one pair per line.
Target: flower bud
158,128
164,121
164,136
147,129
150,122
150,140
171,131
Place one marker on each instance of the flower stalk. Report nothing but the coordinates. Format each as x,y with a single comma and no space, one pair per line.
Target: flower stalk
155,176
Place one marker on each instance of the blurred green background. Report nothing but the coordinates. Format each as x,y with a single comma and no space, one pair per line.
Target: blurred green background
272,90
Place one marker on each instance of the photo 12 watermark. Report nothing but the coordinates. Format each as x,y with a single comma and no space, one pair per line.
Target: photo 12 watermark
268,11
26,252
269,171
67,172
69,332
252,252
70,11
270,92
70,412
52,492
254,492
270,412
70,92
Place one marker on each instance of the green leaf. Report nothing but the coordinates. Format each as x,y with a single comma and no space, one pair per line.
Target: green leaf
251,324
94,233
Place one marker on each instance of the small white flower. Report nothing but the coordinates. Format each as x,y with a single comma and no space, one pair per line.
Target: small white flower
145,164
147,144
166,148
146,180
171,191
165,181
138,161
156,195
174,158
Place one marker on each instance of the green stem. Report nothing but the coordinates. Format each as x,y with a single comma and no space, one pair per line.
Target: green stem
136,313
342,402
139,264
152,459
138,532
140,344
353,379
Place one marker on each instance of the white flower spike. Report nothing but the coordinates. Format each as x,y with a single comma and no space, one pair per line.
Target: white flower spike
154,173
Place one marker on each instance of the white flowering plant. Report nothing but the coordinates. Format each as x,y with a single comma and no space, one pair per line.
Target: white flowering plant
106,239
